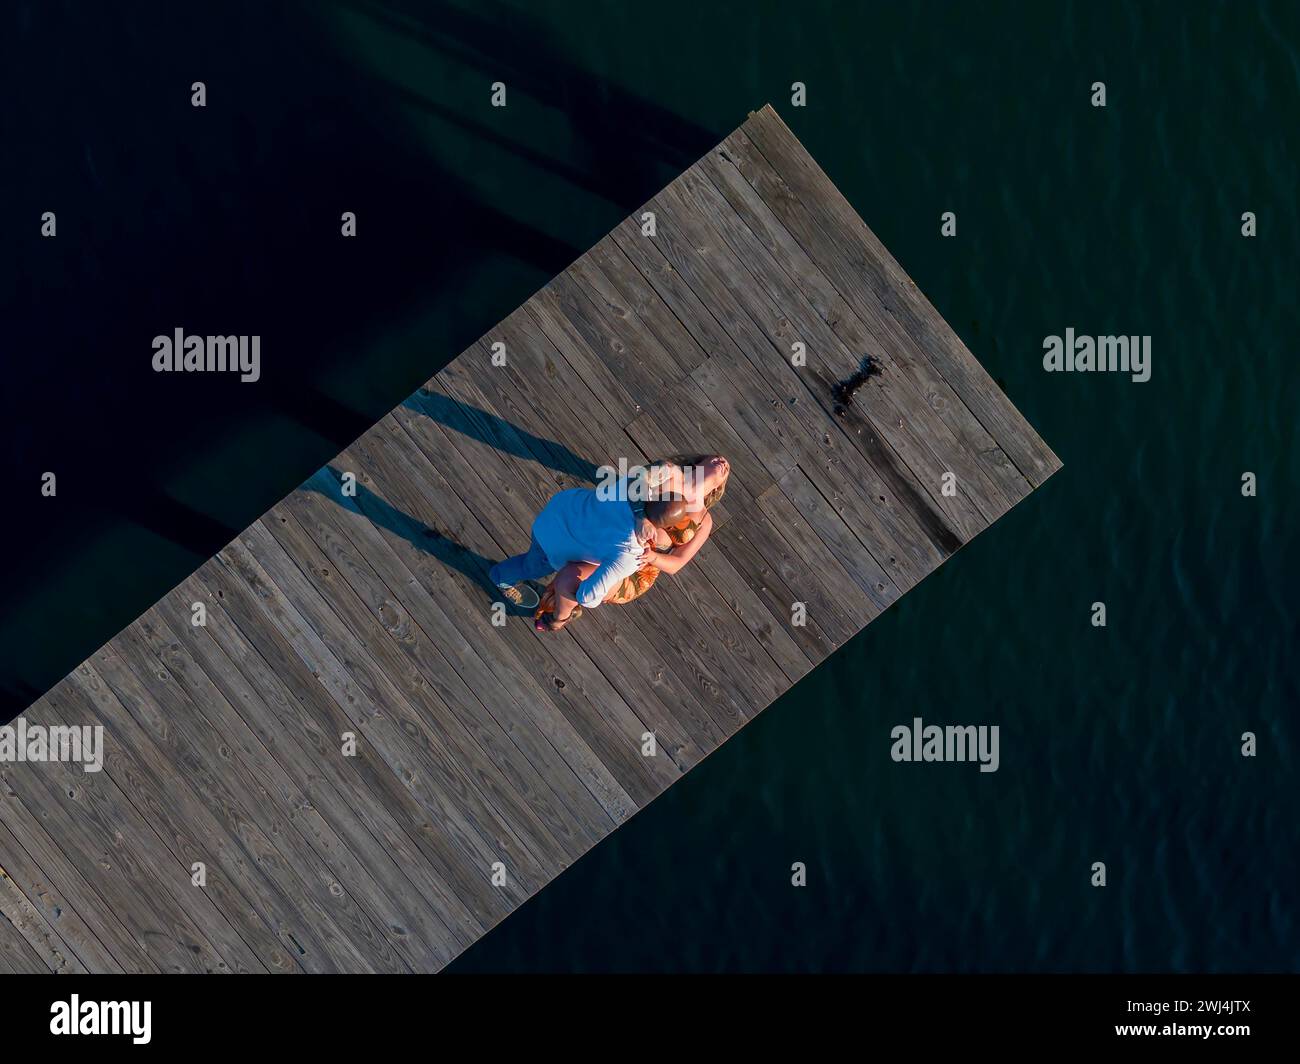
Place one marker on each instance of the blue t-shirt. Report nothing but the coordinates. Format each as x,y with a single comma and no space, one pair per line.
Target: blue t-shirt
578,525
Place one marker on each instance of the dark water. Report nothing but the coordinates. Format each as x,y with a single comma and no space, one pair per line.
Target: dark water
1119,744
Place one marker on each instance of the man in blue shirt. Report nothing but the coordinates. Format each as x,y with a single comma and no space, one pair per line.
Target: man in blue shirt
584,525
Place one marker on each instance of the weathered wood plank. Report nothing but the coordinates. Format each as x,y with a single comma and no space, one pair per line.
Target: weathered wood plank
457,434
306,839
518,711
467,857
914,444
722,640
895,539
195,659
607,272
72,908
828,572
826,516
17,957
526,403
47,948
782,578
548,309
607,316
679,644
555,400
269,821
162,791
920,539
898,352
868,276
767,627
754,417
328,917
466,788
554,811
102,834
265,660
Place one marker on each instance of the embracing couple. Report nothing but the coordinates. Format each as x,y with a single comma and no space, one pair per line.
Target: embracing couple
611,545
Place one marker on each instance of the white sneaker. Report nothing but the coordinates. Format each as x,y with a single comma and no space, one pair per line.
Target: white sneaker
520,595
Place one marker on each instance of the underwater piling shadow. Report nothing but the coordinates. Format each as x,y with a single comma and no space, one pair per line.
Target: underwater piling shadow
617,128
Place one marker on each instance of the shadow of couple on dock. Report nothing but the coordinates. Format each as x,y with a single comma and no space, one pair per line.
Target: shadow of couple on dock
496,432
472,421
383,514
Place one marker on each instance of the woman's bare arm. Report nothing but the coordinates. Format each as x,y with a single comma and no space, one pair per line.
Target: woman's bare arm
679,556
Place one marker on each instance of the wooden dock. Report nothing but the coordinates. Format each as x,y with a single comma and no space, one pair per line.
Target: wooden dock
487,759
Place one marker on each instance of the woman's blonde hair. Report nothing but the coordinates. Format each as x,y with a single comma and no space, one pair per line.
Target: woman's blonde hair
658,470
